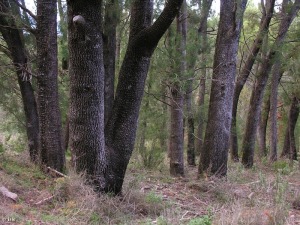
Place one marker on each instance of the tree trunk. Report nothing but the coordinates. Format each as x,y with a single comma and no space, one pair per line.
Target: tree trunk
257,93
289,148
176,132
86,114
216,141
248,144
245,72
111,20
51,150
275,80
120,131
63,30
262,126
14,39
204,50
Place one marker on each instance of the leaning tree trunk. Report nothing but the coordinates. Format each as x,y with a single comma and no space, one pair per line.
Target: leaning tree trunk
86,114
121,128
289,147
257,93
216,141
246,70
50,146
13,37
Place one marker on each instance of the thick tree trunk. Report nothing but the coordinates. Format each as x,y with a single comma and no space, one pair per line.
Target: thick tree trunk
245,72
289,148
120,131
13,37
86,114
51,149
109,52
202,31
216,141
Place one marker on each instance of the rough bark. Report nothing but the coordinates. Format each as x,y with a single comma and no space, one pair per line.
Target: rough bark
176,132
288,13
86,113
202,32
216,141
14,39
289,147
257,93
262,127
50,145
245,72
254,112
121,128
111,20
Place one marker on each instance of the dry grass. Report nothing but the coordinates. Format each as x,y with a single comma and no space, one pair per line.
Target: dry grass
263,195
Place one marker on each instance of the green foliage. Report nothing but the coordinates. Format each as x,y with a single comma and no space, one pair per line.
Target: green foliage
153,198
204,220
282,167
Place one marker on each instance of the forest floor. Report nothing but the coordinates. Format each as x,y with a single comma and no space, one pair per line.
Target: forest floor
263,195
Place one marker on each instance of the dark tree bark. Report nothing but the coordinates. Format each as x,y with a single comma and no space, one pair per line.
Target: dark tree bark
14,39
268,9
289,147
216,141
257,93
202,32
111,20
121,128
50,146
86,114
107,167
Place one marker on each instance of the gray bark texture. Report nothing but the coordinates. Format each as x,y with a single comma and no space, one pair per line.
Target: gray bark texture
204,51
86,113
258,91
216,141
14,40
268,9
289,147
50,146
105,161
120,130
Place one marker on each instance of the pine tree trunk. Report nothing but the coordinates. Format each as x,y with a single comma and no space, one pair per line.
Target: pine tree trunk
216,141
245,72
262,126
257,93
51,149
13,37
121,128
204,49
86,114
176,132
289,148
